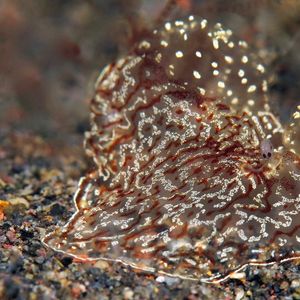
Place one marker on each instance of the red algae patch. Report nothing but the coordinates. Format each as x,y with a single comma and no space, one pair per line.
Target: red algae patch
184,183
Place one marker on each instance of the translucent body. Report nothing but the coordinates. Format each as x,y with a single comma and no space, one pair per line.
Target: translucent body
181,187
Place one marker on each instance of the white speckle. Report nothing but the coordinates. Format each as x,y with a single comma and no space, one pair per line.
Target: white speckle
198,54
244,59
202,91
171,68
261,68
235,100
216,43
244,80
251,88
229,93
231,44
251,102
215,72
296,115
243,44
168,26
144,44
158,57
203,23
229,59
164,43
178,23
191,18
229,32
185,37
265,86
241,73
196,74
214,64
179,54
221,84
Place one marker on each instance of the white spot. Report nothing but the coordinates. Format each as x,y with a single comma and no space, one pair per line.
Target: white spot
202,91
244,59
198,54
243,44
191,18
158,57
216,43
235,100
196,74
215,72
261,68
265,86
251,88
203,23
145,44
179,54
178,23
229,32
168,26
214,64
244,80
185,37
231,44
251,102
221,84
229,93
296,115
164,43
241,73
218,26
229,59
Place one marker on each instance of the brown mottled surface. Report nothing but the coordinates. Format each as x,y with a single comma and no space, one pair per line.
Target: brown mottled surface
43,114
39,181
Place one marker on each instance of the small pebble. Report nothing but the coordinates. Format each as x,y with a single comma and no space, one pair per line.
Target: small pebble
128,293
19,201
284,285
101,264
295,283
239,294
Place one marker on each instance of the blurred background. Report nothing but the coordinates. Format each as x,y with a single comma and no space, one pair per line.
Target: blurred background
51,52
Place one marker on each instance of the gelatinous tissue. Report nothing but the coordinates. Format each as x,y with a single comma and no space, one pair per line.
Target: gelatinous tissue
184,186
